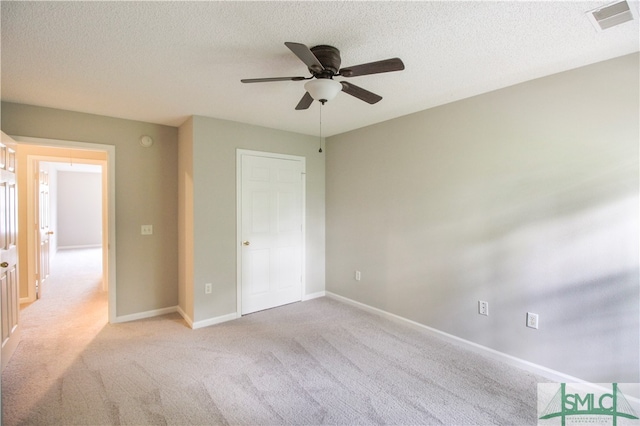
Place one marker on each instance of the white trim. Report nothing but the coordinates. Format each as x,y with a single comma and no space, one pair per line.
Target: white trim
147,314
33,237
313,295
184,315
232,316
84,246
109,236
303,161
192,324
213,321
548,373
238,233
303,266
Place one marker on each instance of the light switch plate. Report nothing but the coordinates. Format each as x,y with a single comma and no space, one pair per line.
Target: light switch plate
146,230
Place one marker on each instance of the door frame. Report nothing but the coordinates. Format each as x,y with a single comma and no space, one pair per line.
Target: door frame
33,166
34,233
239,154
108,188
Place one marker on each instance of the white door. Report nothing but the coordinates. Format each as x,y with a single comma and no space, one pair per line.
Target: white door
8,251
44,233
271,230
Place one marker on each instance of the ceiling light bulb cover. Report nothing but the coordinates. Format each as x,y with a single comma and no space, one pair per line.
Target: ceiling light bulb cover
323,89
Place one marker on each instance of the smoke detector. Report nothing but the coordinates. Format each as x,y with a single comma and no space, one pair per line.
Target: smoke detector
610,15
146,141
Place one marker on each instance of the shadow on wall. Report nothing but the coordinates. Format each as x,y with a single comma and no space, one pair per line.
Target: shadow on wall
580,274
562,246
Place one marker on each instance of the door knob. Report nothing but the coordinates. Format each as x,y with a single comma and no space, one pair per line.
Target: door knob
50,233
4,264
246,243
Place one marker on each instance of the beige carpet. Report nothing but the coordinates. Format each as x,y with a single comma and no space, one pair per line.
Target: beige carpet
315,362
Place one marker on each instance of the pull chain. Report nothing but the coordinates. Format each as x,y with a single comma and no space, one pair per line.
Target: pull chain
320,150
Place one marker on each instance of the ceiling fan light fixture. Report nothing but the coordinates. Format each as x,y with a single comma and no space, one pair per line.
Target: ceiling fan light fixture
323,89
323,62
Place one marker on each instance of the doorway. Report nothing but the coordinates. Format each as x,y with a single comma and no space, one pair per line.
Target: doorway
31,153
271,205
64,202
70,214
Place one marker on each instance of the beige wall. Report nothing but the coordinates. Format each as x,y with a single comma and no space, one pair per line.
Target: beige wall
213,144
525,197
146,193
79,205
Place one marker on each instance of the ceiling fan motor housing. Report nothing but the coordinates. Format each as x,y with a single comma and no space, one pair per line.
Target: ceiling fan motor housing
329,57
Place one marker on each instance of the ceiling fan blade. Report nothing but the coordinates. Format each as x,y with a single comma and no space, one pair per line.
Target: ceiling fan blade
306,55
263,80
305,102
387,65
360,93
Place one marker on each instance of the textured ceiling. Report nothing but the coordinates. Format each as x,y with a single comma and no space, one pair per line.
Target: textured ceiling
164,61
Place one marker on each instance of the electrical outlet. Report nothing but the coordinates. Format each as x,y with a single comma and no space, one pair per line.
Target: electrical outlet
357,276
532,320
146,230
207,288
483,307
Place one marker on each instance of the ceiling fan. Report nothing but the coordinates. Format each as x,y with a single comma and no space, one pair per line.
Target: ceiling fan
324,64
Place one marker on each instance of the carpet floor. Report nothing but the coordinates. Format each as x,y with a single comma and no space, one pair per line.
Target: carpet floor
308,363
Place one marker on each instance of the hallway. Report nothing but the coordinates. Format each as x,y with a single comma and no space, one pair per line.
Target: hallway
71,294
73,310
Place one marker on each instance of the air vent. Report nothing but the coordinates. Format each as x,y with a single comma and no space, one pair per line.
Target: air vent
610,15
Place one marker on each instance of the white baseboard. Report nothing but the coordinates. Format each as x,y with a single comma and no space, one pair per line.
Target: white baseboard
192,324
232,316
87,246
548,373
186,317
143,315
213,321
313,295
